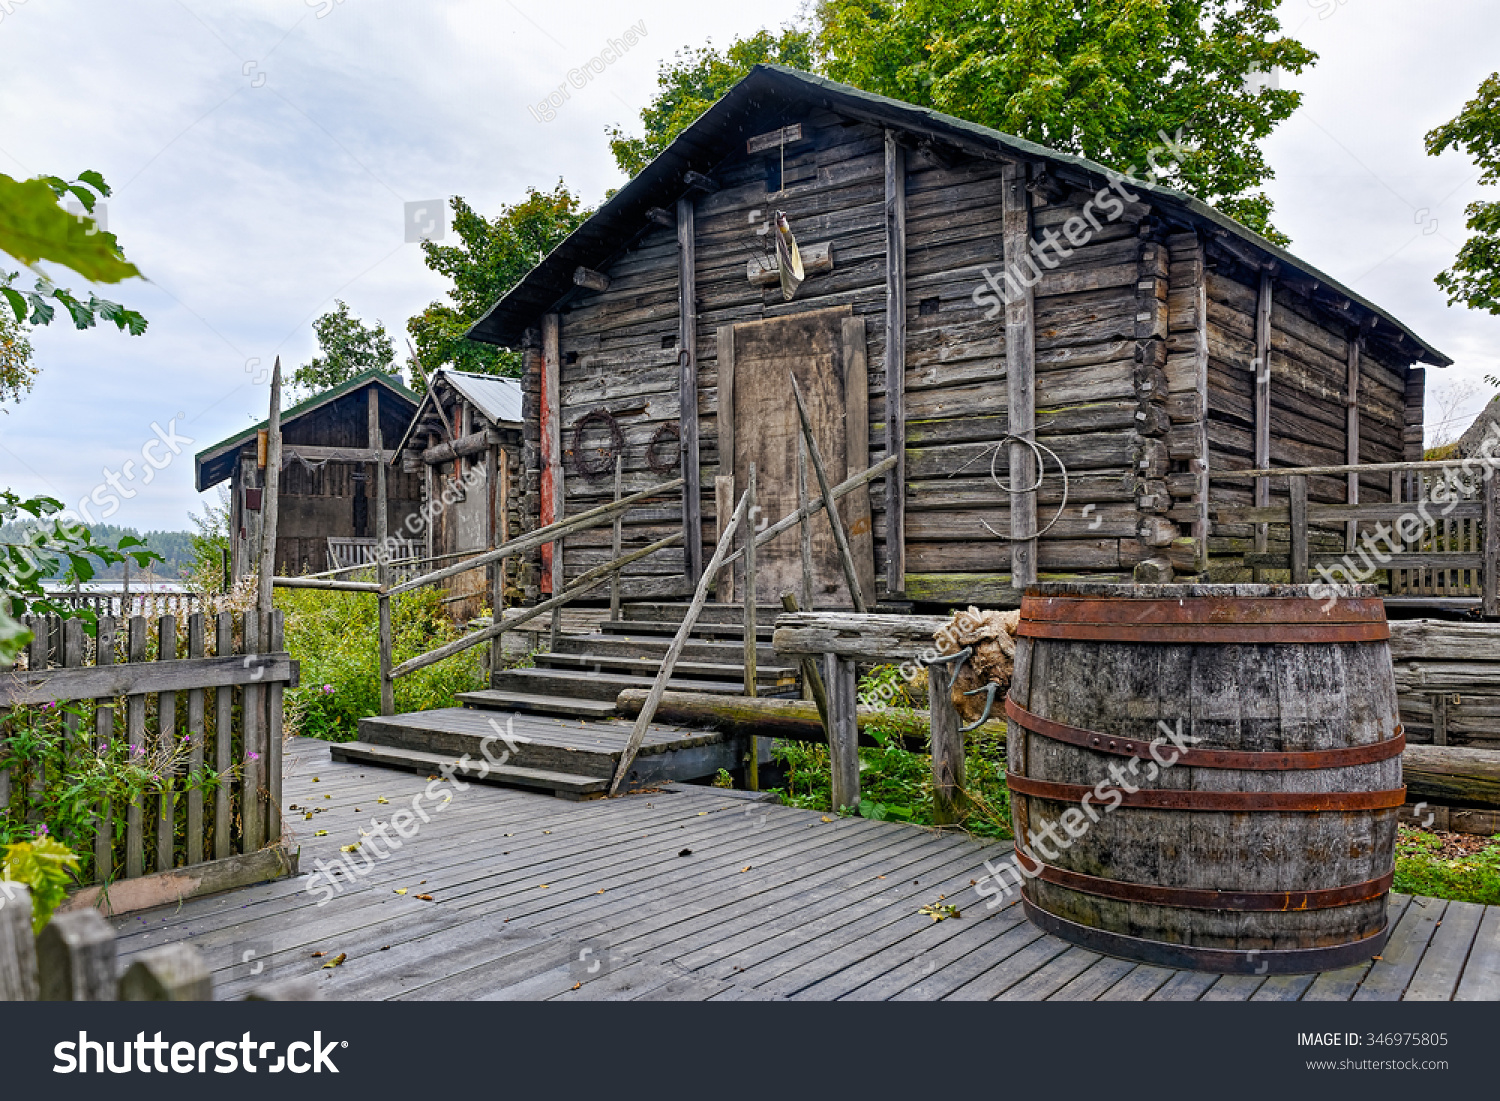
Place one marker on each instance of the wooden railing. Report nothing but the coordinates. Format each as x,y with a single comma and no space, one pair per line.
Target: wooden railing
1438,536
211,814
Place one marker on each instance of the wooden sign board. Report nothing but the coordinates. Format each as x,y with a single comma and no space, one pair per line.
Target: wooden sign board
785,136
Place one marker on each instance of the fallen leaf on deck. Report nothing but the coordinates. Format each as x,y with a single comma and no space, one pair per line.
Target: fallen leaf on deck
401,890
747,867
385,948
315,779
320,833
316,955
600,891
940,911
308,816
337,960
424,898
686,852
544,886
826,818
576,985
382,799
349,848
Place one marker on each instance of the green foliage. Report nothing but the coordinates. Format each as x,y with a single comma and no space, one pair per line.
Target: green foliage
1103,81
895,782
209,541
1420,870
54,547
723,780
46,866
1474,278
34,226
494,254
693,80
349,347
173,549
335,636
17,372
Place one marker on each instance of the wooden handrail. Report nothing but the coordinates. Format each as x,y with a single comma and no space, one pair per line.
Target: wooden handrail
594,517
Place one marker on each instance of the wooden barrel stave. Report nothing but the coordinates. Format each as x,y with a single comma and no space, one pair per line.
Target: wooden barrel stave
1262,697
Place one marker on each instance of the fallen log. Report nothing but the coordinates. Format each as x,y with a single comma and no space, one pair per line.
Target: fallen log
1452,776
765,717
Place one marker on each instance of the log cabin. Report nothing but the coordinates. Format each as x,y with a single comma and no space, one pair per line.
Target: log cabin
464,442
327,480
967,294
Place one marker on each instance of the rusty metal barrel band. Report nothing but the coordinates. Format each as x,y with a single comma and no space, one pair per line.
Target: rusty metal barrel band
1255,961
1211,620
1225,801
1259,761
1196,899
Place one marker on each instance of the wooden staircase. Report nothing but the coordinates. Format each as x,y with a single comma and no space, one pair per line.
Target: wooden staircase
559,714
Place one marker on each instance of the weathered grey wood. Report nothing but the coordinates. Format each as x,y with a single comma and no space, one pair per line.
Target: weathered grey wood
1440,719
1481,977
195,732
252,760
1443,964
18,981
687,385
812,679
723,506
223,724
866,638
270,493
843,489
326,584
1020,376
275,698
804,527
1491,566
104,733
135,735
841,678
752,770
1452,775
616,534
816,260
947,748
1351,435
1298,491
75,958
840,537
382,560
1262,458
689,619
166,722
135,678
583,521
585,582
475,443
593,280
178,886
171,973
299,989
895,360
725,342
1430,640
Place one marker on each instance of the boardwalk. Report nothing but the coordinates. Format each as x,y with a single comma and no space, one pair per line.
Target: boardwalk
699,895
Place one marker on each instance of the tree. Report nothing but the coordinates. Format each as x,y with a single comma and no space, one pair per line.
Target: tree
492,257
35,227
349,346
1474,278
1100,80
694,80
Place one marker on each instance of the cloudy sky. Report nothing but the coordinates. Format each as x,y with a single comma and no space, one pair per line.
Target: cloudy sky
263,153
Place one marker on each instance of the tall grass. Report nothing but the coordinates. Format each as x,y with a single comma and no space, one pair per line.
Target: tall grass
336,637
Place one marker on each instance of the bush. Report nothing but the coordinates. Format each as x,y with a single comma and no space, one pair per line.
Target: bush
336,637
1422,868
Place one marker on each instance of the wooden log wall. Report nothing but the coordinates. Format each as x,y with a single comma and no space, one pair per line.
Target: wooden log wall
1309,358
1448,681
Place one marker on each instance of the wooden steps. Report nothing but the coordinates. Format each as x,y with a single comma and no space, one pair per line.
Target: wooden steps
646,628
777,676
495,700
566,785
588,685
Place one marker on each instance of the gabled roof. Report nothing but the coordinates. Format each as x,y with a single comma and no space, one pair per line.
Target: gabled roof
497,399
215,463
769,91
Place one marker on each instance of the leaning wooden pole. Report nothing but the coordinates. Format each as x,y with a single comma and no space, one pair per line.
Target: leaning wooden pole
810,675
382,558
752,770
689,621
269,494
835,521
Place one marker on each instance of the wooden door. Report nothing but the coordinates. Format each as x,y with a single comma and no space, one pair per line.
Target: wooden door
825,350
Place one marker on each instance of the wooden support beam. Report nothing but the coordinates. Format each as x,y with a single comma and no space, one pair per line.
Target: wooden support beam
1490,577
698,182
816,260
1351,434
895,362
812,680
835,522
674,651
382,560
787,135
475,443
315,454
1202,528
661,217
499,475
1020,378
617,535
1262,412
269,494
592,280
723,507
687,388
752,769
843,731
551,490
947,748
804,532
1298,489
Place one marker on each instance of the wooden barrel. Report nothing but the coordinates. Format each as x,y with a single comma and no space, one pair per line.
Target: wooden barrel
1207,776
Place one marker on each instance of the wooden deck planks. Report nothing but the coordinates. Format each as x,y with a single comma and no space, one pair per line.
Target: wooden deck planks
812,919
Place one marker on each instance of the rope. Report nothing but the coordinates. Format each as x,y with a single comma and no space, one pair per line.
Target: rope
1041,474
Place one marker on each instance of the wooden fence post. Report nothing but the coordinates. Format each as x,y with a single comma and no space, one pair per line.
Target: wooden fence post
135,738
752,770
843,731
275,696
166,739
17,945
1491,578
104,734
810,675
253,718
947,747
75,958
723,507
171,973
223,759
1298,489
195,831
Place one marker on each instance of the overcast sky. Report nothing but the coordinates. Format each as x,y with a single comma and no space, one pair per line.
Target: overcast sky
262,153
